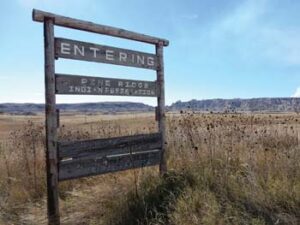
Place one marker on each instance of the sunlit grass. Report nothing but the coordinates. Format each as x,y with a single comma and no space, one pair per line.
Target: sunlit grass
224,169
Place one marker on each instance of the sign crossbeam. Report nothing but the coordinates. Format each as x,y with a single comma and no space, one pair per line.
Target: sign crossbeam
39,16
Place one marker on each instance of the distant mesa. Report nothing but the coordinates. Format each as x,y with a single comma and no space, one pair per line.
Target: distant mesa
209,105
240,105
101,107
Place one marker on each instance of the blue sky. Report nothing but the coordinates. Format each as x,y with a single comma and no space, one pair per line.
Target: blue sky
218,48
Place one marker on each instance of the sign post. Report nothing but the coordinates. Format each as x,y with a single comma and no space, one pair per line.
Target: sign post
75,159
51,124
161,105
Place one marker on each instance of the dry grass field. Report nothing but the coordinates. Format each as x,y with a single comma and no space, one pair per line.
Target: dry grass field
223,169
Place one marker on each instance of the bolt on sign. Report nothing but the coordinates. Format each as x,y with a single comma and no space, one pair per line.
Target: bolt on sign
67,160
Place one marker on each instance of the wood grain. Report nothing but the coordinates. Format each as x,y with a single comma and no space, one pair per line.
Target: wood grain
161,106
51,125
109,146
78,50
39,16
86,85
77,168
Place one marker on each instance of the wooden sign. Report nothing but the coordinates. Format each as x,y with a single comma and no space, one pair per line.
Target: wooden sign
109,146
99,156
84,85
70,49
70,160
84,167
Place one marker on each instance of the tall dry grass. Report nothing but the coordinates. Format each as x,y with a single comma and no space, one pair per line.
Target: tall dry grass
227,169
224,169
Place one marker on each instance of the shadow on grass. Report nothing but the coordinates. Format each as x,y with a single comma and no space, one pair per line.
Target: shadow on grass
154,201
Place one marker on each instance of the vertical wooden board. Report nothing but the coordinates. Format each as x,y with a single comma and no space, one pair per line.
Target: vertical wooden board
71,49
51,125
157,116
94,166
161,104
57,118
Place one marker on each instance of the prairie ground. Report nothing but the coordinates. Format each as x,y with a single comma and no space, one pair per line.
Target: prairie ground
223,169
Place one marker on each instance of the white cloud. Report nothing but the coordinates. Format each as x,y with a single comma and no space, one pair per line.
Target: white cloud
243,17
297,93
246,32
283,45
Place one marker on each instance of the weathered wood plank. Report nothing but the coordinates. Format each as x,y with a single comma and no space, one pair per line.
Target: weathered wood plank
85,85
57,118
78,50
39,16
109,146
161,106
88,167
51,125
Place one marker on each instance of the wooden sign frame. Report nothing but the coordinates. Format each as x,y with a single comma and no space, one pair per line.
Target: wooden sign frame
69,160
